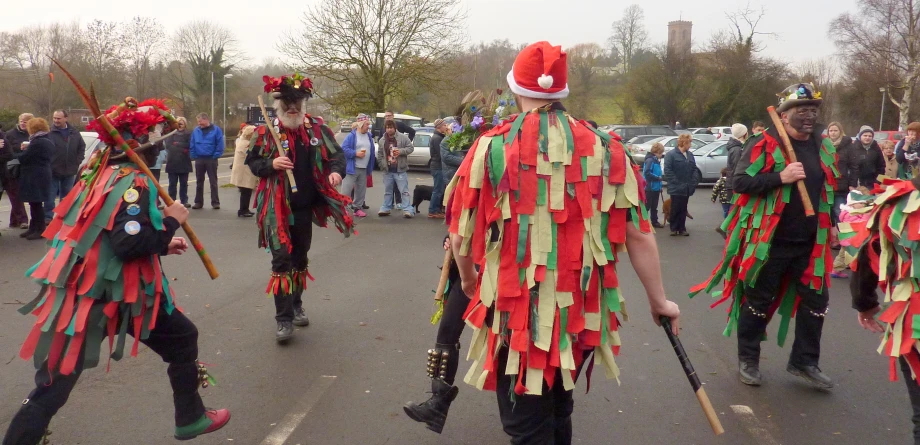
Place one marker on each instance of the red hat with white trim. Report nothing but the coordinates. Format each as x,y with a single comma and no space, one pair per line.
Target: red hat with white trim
540,71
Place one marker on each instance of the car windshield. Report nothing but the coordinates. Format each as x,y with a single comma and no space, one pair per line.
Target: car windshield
421,140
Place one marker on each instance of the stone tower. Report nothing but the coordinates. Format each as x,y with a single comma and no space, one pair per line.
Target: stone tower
679,33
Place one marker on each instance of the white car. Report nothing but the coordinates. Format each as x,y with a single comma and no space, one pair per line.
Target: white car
93,143
422,154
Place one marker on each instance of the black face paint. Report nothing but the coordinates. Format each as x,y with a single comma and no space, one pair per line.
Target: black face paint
803,118
292,107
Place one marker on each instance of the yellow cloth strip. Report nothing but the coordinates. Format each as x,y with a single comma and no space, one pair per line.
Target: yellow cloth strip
477,170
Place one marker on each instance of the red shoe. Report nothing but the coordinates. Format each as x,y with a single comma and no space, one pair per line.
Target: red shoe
211,421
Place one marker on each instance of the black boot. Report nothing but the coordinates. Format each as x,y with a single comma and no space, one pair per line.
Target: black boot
812,374
434,410
750,373
28,427
285,331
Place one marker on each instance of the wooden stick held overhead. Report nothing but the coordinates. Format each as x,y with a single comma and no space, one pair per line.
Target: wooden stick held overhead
123,145
790,153
271,129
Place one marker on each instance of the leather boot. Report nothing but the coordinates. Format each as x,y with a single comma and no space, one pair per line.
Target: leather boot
750,373
285,331
29,426
812,374
434,410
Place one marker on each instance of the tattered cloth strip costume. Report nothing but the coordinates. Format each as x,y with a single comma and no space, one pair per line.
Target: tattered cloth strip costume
542,204
887,244
272,201
751,224
87,292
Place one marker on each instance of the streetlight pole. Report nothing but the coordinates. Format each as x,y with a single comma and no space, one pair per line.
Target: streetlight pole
882,116
212,94
226,76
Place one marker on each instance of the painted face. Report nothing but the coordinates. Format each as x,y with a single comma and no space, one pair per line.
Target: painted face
803,118
866,138
833,132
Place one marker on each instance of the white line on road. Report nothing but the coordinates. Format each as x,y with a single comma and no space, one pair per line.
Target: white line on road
286,427
753,425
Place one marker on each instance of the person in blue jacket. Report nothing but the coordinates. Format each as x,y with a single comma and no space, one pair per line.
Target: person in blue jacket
359,151
206,147
651,171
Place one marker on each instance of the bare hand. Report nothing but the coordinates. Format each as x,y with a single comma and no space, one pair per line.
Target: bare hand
335,179
469,287
282,163
395,152
868,322
178,211
447,243
178,245
359,154
792,173
668,309
2,143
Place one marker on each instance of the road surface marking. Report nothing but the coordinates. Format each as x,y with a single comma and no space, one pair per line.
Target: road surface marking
290,422
753,425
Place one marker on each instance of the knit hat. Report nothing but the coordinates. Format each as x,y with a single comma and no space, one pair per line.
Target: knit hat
796,95
864,129
540,71
738,131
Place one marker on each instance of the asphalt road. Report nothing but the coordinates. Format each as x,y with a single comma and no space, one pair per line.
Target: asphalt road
344,378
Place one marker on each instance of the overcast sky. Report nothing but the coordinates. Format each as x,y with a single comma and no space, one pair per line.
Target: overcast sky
801,27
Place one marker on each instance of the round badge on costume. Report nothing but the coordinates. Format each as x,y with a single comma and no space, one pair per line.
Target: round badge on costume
131,195
134,210
132,227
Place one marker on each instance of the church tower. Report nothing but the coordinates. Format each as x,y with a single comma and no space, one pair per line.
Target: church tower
679,33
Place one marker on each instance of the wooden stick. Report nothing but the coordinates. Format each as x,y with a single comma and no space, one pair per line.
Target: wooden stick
271,129
790,153
445,272
710,413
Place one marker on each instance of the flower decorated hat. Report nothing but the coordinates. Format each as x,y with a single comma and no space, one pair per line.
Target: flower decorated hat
797,95
290,88
138,123
540,71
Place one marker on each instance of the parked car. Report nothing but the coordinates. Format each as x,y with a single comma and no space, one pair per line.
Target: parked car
889,136
702,134
628,132
377,126
422,154
711,159
670,142
93,143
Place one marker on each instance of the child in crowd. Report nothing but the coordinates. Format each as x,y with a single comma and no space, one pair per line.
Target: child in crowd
891,162
857,210
722,193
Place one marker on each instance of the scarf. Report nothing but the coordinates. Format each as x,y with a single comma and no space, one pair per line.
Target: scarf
389,144
836,142
37,135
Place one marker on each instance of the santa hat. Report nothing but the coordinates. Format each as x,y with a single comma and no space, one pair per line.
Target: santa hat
540,71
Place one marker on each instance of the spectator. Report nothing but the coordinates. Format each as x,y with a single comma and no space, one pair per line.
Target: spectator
360,152
867,159
65,160
651,171
844,146
891,163
15,138
400,125
681,173
206,146
35,174
734,146
723,194
179,161
907,152
677,126
240,174
158,165
436,208
757,127
393,150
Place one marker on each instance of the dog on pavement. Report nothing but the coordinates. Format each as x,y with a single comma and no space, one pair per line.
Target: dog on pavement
666,211
420,194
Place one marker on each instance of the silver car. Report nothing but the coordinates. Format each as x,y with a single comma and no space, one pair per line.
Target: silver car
711,159
669,142
422,154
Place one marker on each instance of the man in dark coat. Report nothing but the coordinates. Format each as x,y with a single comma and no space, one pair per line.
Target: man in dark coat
400,125
436,208
734,147
65,159
179,161
681,173
15,137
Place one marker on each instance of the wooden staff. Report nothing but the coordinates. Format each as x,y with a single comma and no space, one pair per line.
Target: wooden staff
110,129
271,129
790,153
445,272
694,379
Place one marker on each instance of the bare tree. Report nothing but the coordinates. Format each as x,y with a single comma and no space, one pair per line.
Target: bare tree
374,49
142,39
583,61
823,73
629,35
209,50
104,55
886,35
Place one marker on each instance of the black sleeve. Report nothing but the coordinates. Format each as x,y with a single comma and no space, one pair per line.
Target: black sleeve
6,153
864,281
259,165
755,185
407,130
337,157
148,241
853,173
880,163
899,152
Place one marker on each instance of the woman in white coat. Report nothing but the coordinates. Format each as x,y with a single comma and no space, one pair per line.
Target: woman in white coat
240,175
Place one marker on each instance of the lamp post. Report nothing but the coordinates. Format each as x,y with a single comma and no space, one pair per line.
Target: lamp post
212,95
882,117
226,76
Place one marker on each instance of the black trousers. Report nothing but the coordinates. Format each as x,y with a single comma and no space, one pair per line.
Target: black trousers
180,181
156,173
450,328
651,203
245,198
790,263
208,166
286,262
535,420
678,217
37,211
913,390
175,340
